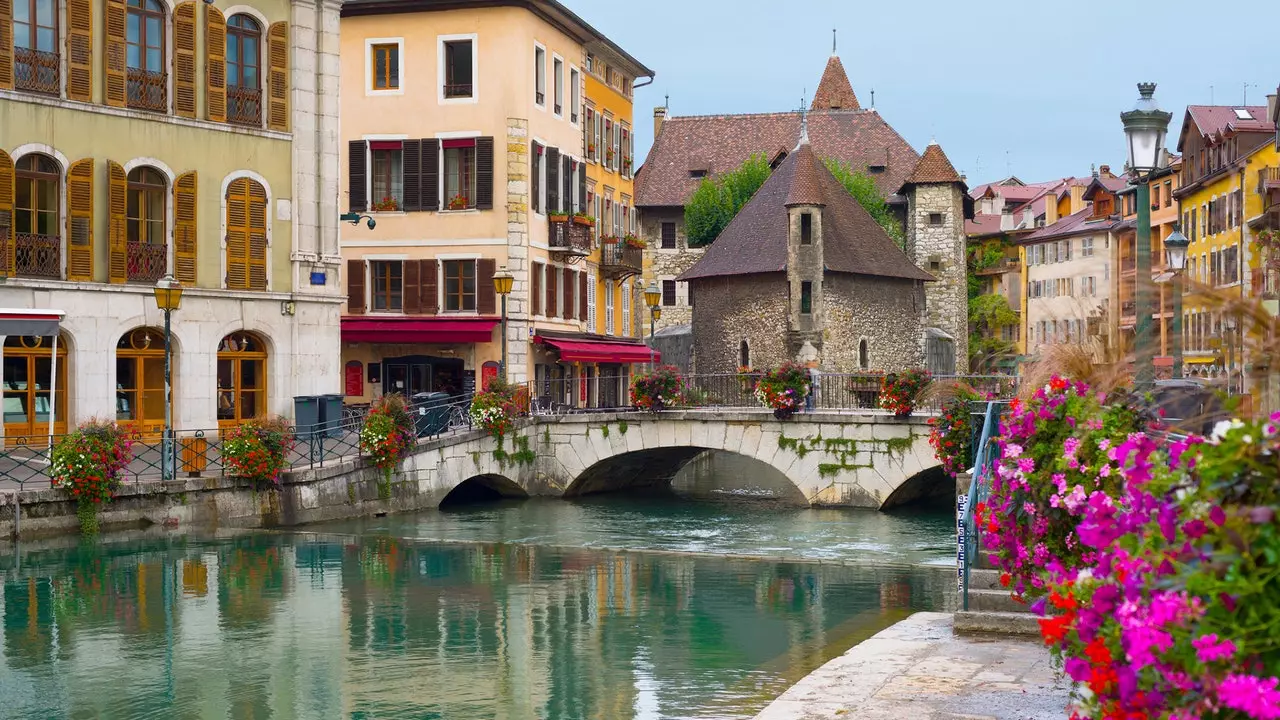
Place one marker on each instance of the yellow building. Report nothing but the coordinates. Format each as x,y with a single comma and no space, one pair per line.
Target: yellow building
1228,154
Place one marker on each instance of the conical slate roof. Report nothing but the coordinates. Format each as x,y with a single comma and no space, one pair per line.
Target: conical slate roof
834,91
806,188
933,168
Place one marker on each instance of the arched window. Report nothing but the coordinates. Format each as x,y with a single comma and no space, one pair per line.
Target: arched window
140,380
144,55
148,249
38,244
246,235
864,355
28,375
244,80
242,378
744,355
36,63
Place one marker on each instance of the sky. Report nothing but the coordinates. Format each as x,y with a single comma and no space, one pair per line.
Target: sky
1032,89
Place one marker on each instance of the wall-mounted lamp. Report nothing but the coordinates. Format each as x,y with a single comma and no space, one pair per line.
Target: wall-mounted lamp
354,219
288,307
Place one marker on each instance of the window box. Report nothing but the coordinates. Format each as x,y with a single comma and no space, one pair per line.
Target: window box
386,204
458,202
584,219
571,238
558,217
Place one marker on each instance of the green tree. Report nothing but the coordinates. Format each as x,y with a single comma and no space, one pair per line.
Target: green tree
717,200
988,312
863,189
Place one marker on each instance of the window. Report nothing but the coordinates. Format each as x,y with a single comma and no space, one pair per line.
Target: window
242,379
806,297
744,354
244,83
806,228
459,174
460,286
36,63
590,131
535,177
38,240
864,355
626,309
1155,195
558,78
575,87
28,375
608,307
387,285
540,76
669,293
140,397
935,219
146,251
386,66
386,180
144,55
1086,247
1230,257
609,157
459,72
1168,193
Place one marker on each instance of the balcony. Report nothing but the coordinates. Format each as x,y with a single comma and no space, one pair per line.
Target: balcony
1004,265
146,262
571,237
619,260
244,105
38,256
148,90
1268,179
457,90
36,71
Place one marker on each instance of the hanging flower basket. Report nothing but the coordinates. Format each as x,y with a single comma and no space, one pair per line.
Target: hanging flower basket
899,392
258,451
386,436
783,389
87,464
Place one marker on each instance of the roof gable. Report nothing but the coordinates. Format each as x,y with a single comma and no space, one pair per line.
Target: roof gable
835,92
933,168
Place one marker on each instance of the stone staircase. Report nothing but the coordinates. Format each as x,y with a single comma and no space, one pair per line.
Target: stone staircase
992,609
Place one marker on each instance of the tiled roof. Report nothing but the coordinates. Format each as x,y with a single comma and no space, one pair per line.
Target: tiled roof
755,241
982,224
859,137
1211,120
806,188
934,167
834,91
1075,224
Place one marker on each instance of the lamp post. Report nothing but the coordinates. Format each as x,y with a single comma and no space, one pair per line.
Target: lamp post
1144,128
1175,247
168,298
652,296
503,281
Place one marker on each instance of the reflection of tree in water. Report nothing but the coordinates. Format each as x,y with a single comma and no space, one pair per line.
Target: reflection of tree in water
251,580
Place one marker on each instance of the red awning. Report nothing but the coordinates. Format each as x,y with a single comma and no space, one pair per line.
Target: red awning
410,329
600,352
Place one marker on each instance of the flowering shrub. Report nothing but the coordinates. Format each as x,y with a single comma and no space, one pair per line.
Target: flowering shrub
258,451
900,391
87,464
783,389
951,433
387,434
496,409
658,389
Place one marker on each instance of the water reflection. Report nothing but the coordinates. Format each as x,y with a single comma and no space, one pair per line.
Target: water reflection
373,626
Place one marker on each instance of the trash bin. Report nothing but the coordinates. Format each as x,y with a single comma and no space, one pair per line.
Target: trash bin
331,415
431,412
306,416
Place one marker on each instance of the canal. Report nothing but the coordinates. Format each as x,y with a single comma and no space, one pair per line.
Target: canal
609,608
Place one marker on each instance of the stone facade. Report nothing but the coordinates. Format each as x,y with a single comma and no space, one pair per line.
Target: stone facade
667,264
518,316
936,243
876,310
732,310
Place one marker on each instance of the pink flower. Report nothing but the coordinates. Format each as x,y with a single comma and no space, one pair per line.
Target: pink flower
1012,450
1252,695
1210,649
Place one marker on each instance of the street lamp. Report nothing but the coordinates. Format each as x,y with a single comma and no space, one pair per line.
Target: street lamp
1144,128
652,296
354,219
168,298
1175,247
503,281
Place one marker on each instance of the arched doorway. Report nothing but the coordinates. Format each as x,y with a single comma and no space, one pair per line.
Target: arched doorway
140,381
242,379
28,375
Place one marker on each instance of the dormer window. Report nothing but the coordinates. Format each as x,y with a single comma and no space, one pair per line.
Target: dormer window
806,228
875,169
697,174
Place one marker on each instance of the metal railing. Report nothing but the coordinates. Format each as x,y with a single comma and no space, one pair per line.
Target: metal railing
620,259
37,71
146,262
38,255
984,460
147,90
833,391
571,236
244,105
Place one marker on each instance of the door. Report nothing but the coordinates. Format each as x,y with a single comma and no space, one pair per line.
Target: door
140,397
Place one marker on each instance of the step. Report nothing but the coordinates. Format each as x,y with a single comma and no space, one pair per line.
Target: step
984,579
995,601
969,622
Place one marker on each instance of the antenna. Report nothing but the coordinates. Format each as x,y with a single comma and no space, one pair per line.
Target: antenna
833,41
668,101
1210,94
873,98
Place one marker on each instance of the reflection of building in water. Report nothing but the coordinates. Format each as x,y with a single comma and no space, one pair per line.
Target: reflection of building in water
895,592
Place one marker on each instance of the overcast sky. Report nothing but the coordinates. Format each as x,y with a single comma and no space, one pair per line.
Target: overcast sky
1033,89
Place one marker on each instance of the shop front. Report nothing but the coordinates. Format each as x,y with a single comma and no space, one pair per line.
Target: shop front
413,355
578,371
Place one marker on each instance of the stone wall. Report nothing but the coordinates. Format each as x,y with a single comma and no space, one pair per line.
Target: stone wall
940,251
883,311
518,315
730,310
668,264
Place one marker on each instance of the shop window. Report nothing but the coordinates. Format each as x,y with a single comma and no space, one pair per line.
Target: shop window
242,378
29,393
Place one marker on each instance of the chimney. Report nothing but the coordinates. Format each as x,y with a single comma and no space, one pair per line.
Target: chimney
659,117
1271,105
1050,209
1105,171
1077,198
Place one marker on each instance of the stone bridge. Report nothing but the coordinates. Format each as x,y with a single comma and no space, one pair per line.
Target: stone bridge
866,460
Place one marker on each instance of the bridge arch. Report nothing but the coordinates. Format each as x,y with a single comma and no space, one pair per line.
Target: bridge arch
488,487
691,471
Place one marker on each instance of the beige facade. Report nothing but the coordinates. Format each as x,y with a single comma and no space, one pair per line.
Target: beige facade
1068,290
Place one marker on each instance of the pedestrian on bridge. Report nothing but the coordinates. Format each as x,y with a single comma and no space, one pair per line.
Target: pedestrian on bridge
815,381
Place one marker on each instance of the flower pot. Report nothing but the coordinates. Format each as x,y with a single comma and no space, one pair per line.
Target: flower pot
558,218
784,413
657,405
582,221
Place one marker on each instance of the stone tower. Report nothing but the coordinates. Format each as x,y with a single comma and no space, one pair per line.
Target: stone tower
936,211
806,265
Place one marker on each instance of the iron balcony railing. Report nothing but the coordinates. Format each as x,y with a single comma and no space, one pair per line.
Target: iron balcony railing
618,259
571,235
38,255
37,71
146,262
148,90
244,105
457,90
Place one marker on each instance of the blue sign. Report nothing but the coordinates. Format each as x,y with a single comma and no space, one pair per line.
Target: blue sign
317,277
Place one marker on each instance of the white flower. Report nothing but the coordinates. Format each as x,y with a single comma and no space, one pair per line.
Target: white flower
1223,427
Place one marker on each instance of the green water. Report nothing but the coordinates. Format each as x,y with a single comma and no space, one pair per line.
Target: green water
516,616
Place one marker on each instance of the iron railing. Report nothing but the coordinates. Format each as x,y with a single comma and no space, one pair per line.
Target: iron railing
618,259
146,262
571,236
984,459
38,255
37,71
148,90
244,105
833,391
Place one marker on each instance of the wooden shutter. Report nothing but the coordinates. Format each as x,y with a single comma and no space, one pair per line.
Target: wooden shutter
484,173
79,49
238,234
430,174
114,65
6,44
80,220
427,272
215,63
412,172
357,176
257,236
535,178
355,287
117,224
535,296
582,189
552,274
412,284
553,180
569,285
184,228
278,76
7,247
184,59
566,178
582,297
486,296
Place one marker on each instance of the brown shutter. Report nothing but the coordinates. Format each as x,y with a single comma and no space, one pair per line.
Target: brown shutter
535,177
486,296
427,271
184,59
238,235
7,247
357,176
553,274
6,44
430,174
535,295
484,173
79,49
117,224
566,179
355,287
278,64
582,298
184,228
412,293
257,236
566,312
411,151
553,180
114,54
215,65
